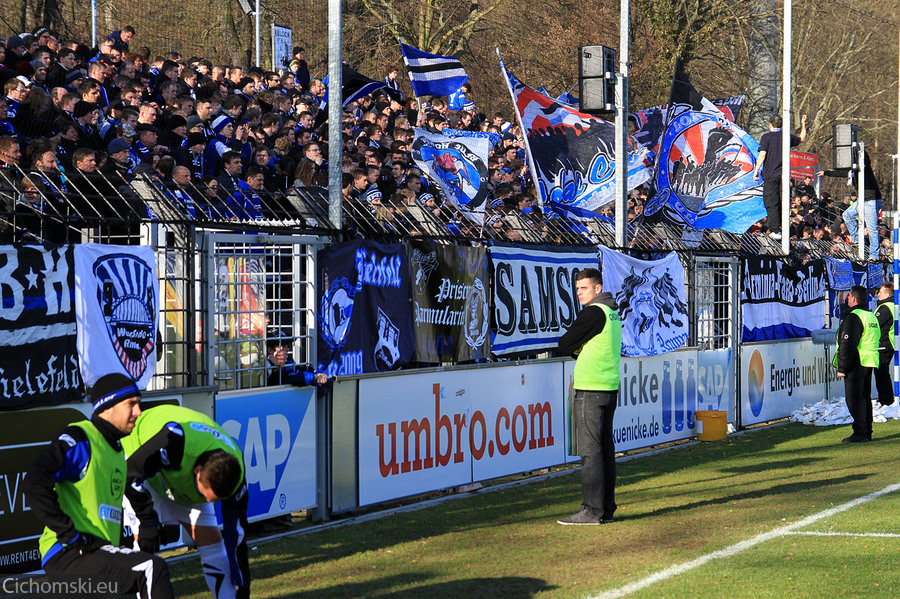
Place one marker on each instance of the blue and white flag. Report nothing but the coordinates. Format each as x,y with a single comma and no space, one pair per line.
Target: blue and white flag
568,99
652,301
571,153
433,74
458,164
779,301
494,138
704,171
117,311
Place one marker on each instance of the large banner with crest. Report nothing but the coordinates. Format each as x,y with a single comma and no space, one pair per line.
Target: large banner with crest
364,318
117,310
38,360
450,302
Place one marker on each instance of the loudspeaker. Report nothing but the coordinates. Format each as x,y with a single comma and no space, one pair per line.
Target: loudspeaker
845,139
596,78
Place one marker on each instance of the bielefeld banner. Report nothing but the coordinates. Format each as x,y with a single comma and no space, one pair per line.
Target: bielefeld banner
534,296
38,357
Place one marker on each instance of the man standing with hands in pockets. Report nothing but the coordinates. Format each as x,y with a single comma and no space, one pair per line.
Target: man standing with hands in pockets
595,341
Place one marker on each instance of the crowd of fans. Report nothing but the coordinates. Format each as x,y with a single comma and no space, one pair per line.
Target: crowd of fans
226,143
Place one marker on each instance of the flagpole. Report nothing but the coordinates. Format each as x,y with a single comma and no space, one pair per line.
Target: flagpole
528,157
786,131
622,128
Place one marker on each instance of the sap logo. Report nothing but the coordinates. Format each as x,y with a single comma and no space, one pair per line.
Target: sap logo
265,447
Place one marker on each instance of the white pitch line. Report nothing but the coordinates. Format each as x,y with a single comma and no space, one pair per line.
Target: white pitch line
739,547
887,535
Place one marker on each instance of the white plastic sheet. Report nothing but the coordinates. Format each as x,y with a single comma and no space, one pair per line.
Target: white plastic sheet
834,411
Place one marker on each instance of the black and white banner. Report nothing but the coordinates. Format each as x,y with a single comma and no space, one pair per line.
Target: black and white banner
779,301
534,296
38,359
652,301
117,309
451,308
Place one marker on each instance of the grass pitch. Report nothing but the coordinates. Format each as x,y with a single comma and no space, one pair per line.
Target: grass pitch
675,508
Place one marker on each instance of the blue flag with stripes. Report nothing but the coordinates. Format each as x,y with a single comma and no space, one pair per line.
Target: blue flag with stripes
433,74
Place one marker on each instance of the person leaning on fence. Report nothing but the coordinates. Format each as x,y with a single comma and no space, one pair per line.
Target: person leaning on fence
179,463
595,340
286,372
857,354
884,385
76,486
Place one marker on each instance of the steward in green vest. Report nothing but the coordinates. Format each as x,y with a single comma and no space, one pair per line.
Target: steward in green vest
884,383
179,463
595,341
857,355
75,487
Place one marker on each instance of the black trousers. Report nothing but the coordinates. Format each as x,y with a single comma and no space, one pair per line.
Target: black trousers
594,412
132,572
858,392
772,202
884,384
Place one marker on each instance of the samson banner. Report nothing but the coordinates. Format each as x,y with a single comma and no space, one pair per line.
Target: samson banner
364,317
534,296
652,301
117,310
780,301
38,357
450,302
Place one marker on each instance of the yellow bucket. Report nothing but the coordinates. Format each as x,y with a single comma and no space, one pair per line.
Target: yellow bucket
711,425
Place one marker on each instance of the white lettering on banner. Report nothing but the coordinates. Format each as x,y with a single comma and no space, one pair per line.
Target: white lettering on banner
378,273
262,460
46,379
15,496
10,288
438,316
451,290
431,444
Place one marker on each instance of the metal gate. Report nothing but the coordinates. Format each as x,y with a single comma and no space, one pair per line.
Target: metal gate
716,299
259,295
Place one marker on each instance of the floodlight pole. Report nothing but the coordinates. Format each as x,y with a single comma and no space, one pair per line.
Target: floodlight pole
622,128
258,14
93,23
335,99
786,131
861,201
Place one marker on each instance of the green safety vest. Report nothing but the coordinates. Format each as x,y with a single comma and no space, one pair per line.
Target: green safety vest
94,503
868,341
201,434
597,365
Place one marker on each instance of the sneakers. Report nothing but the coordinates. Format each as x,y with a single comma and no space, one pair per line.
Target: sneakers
775,235
584,518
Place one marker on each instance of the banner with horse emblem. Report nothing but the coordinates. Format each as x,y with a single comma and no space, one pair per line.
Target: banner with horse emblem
117,311
652,301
